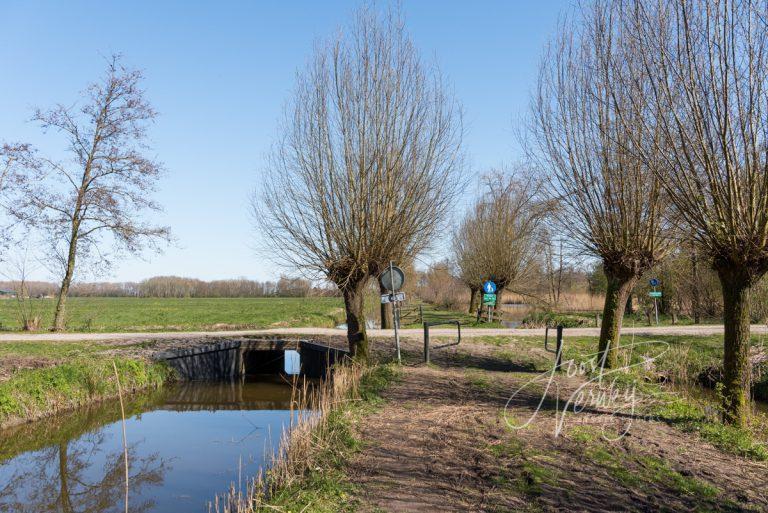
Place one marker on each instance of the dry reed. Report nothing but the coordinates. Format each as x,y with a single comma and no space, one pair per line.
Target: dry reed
308,436
125,436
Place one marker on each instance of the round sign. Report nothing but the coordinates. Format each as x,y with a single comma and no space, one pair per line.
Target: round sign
654,282
392,281
489,287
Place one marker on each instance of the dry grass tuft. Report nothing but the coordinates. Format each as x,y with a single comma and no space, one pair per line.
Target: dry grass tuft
309,435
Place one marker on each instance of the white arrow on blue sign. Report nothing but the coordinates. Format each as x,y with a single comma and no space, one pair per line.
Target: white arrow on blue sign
489,287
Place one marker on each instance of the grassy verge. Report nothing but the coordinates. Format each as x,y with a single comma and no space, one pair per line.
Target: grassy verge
308,473
668,383
34,393
694,417
324,486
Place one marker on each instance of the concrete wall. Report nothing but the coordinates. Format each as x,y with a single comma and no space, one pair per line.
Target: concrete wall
221,360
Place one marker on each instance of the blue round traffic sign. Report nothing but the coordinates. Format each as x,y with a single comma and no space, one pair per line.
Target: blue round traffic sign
654,282
489,287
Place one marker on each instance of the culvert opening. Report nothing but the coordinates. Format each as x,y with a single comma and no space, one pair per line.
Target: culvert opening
263,361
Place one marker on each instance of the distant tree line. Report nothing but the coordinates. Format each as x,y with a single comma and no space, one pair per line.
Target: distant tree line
180,287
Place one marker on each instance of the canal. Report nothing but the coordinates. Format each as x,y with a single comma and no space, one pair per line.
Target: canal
187,443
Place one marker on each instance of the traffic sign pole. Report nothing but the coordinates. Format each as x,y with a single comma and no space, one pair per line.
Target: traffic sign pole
655,283
489,297
395,312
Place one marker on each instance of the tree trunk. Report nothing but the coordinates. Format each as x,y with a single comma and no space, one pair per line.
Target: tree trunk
66,502
354,302
474,298
59,317
497,307
736,286
619,288
386,311
696,302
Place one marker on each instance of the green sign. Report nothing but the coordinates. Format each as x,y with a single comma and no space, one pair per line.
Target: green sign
489,299
655,293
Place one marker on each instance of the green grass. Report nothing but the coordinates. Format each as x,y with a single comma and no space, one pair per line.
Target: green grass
683,402
432,313
672,381
635,470
527,475
327,488
35,392
50,350
187,314
691,417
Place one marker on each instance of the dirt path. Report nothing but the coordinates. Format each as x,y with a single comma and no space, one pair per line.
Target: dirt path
441,443
713,329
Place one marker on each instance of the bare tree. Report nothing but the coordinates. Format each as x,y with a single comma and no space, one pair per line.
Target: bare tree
467,257
27,307
367,165
15,161
552,253
497,239
585,128
105,188
707,61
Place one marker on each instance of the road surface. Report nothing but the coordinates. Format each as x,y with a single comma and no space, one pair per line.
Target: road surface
709,329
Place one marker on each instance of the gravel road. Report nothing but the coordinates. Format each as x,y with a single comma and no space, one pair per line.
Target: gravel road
709,329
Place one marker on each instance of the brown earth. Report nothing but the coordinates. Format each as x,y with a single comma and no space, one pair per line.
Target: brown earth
441,443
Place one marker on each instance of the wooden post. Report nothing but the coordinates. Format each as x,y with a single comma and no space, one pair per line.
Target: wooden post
559,347
426,343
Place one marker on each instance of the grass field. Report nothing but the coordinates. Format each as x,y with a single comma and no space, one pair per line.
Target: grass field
192,314
189,314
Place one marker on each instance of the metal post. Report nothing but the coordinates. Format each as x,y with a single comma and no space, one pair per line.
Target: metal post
426,343
421,314
546,337
395,315
559,355
656,307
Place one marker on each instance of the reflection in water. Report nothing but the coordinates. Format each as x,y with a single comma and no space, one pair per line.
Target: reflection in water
185,446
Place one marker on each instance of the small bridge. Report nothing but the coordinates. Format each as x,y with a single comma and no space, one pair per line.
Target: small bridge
234,358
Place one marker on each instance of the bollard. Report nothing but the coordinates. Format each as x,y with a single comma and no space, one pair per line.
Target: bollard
426,343
559,355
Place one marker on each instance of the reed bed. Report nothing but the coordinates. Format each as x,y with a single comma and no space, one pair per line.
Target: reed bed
311,437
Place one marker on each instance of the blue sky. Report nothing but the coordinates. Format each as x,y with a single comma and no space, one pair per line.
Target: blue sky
219,74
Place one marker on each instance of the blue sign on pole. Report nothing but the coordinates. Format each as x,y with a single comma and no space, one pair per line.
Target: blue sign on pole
654,282
489,287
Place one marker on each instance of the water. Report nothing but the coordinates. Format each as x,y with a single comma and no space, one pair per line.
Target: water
186,442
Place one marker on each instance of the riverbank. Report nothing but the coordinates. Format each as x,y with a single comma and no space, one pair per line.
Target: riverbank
41,378
450,437
75,380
